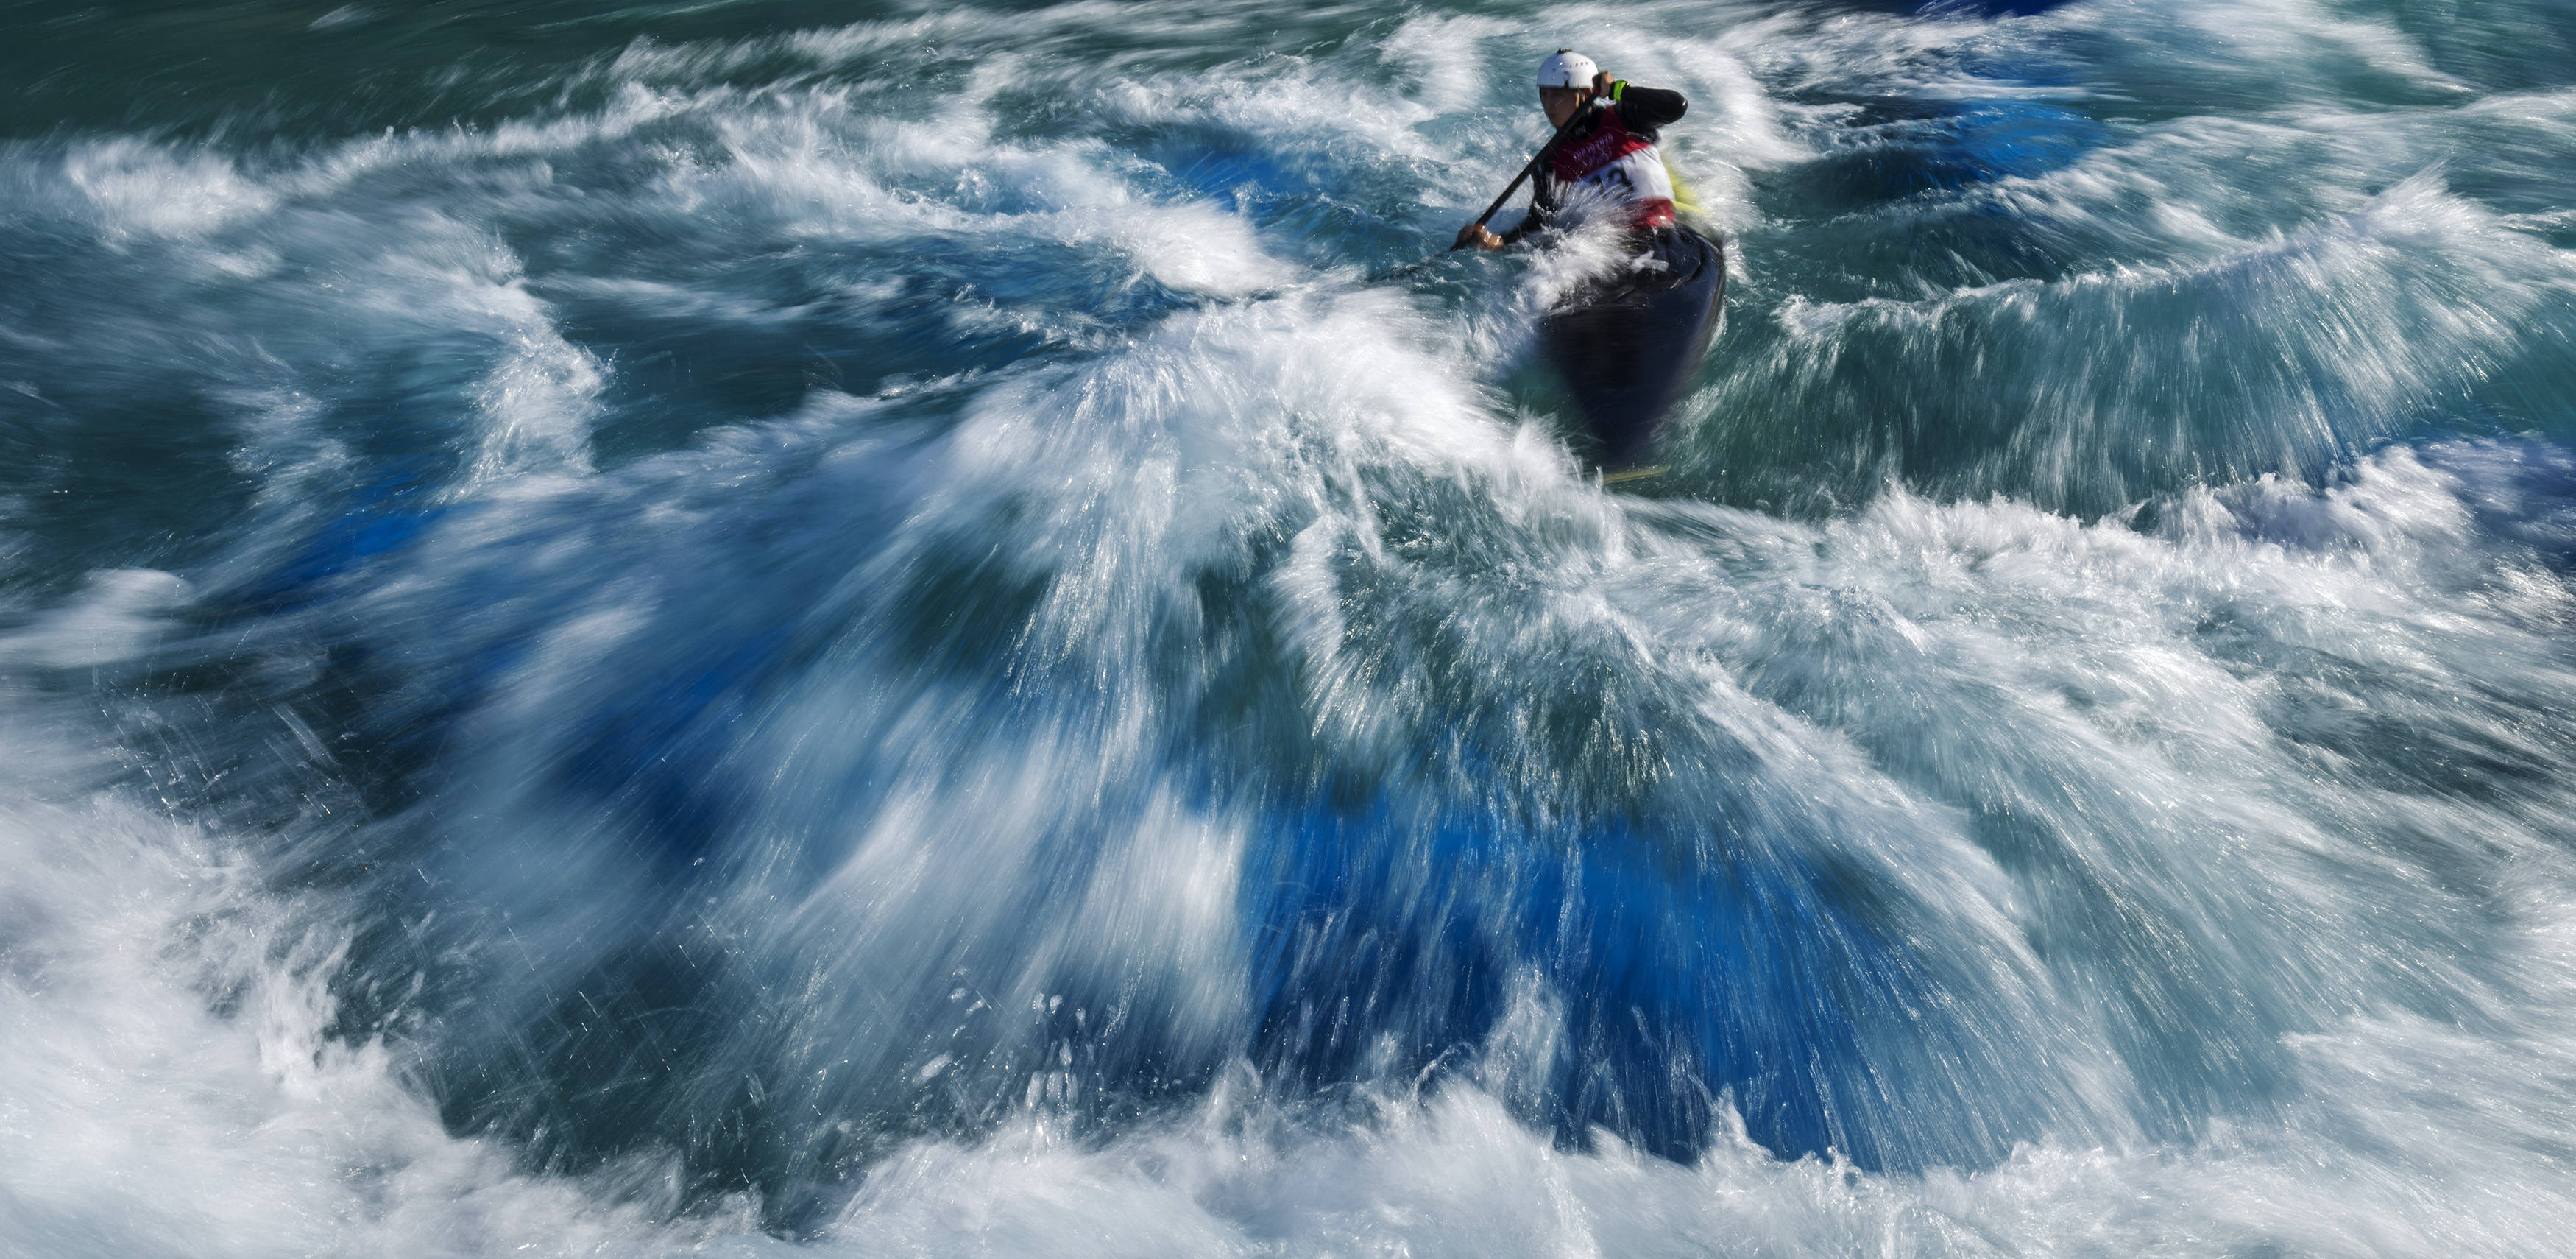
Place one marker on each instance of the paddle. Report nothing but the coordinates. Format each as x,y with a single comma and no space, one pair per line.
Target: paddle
1527,169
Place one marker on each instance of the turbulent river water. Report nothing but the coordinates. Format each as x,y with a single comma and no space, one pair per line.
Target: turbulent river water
776,628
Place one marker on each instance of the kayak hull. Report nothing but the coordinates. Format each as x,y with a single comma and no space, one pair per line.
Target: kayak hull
1627,346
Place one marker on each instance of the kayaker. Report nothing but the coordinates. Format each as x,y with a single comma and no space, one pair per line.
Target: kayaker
1627,340
1609,155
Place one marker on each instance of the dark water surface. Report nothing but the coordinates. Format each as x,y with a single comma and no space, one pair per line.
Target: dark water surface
776,627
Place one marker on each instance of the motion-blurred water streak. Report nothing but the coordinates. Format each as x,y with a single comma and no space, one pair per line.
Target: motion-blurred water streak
758,626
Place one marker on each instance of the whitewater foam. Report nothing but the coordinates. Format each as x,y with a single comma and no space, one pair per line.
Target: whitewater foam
855,640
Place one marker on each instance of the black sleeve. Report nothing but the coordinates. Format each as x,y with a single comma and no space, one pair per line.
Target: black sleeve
1542,208
1647,109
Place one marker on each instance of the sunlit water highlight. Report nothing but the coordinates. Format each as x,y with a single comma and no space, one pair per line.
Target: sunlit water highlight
748,630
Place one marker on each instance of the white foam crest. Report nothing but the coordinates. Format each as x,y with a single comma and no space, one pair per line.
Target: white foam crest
142,189
2113,617
2552,109
117,616
976,32
446,275
1454,1174
841,174
1172,26
2417,212
2203,178
994,885
1294,101
2387,567
1446,54
346,15
338,168
539,398
2233,38
1166,458
1885,52
2332,334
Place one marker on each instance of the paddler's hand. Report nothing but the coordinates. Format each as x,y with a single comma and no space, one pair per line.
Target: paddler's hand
1601,85
1476,235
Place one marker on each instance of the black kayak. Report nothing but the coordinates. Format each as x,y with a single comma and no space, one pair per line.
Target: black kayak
1628,344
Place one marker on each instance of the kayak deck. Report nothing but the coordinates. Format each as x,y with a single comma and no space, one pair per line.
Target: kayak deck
1628,344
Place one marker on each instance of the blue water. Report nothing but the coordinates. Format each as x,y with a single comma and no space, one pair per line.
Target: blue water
760,627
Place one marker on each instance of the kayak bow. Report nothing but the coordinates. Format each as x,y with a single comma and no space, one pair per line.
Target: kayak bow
1628,344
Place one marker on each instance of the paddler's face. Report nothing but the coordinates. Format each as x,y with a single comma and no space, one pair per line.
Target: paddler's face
1561,102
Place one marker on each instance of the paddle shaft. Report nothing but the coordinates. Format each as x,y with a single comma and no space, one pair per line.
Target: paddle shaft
1530,168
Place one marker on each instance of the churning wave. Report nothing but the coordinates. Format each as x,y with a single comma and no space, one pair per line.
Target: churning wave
875,638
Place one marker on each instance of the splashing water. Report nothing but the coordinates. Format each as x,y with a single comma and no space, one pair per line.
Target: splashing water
751,628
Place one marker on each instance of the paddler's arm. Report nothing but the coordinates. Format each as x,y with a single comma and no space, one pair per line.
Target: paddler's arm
1482,238
1542,206
1646,109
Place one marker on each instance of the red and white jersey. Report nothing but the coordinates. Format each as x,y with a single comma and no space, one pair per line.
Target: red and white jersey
1615,165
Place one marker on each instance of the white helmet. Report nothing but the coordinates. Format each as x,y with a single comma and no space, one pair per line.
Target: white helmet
1567,68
